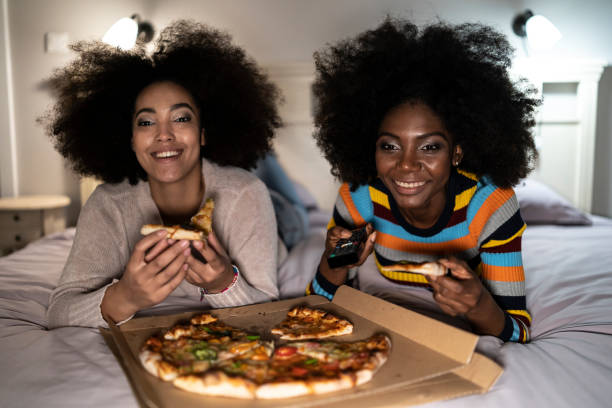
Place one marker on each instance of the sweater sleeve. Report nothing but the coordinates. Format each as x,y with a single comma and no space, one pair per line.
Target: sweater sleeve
249,235
96,259
502,265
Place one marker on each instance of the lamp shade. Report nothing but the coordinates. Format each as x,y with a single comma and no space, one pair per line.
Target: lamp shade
541,33
122,34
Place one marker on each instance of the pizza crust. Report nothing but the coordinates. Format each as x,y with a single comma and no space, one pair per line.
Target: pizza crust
173,232
217,383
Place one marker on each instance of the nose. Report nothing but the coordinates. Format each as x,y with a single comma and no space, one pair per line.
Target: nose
165,133
409,161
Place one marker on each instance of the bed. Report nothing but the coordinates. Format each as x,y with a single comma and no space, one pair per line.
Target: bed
568,278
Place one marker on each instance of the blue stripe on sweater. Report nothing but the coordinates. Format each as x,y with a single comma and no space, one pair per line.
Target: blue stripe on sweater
502,259
448,234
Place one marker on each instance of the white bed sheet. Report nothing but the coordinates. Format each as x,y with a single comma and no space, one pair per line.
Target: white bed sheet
568,363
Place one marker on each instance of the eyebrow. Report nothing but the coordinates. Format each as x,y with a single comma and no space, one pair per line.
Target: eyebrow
421,136
173,107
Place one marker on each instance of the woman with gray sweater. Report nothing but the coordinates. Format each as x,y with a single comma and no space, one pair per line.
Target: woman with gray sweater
165,131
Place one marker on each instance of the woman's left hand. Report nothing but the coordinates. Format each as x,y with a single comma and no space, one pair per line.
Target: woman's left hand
463,294
214,275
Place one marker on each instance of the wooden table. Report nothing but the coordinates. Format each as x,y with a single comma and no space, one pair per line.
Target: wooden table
24,219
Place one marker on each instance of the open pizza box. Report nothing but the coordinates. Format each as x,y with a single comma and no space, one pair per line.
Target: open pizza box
429,360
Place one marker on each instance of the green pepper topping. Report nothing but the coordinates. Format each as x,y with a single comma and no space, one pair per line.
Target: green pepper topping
253,337
204,354
311,361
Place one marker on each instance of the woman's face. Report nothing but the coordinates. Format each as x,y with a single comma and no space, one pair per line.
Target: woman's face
166,133
413,159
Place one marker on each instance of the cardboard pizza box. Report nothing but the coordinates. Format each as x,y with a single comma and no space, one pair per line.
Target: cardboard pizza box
429,360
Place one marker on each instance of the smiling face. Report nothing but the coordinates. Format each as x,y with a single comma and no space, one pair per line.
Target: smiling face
414,152
166,133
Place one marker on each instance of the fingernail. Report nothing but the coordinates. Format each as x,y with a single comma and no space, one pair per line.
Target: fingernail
184,244
187,252
161,232
197,244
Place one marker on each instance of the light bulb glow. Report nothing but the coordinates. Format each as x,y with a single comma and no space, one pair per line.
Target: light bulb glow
541,33
122,34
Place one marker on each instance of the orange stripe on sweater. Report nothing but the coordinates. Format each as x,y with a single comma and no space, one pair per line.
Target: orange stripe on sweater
503,273
398,244
491,204
345,193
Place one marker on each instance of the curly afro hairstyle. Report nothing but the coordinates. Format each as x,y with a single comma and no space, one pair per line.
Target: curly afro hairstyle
91,121
460,72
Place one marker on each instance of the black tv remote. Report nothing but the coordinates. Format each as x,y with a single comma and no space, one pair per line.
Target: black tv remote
346,251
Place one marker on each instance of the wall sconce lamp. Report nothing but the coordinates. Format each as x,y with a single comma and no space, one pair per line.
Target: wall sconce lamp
540,33
126,31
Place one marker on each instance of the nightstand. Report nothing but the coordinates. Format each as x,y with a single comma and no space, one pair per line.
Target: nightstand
26,218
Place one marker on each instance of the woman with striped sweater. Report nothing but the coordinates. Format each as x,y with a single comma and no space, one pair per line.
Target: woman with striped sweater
428,135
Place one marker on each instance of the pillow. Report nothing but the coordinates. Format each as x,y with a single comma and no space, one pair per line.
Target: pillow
540,204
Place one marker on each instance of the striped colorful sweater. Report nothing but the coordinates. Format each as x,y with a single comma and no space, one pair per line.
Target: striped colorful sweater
481,224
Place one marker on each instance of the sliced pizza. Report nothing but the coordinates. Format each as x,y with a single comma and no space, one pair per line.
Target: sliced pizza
303,322
295,369
195,346
424,268
203,218
198,229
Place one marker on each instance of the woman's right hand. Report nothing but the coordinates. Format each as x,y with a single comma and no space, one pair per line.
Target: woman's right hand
337,276
155,268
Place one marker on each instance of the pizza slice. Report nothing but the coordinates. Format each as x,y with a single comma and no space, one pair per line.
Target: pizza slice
424,268
303,323
203,218
200,227
197,346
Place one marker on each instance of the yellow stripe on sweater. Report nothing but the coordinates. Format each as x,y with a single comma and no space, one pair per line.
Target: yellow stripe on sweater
401,276
521,312
496,242
379,197
463,199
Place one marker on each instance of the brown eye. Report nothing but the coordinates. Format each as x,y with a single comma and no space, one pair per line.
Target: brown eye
431,147
385,146
183,118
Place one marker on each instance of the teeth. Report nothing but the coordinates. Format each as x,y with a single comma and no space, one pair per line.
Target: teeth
163,155
409,185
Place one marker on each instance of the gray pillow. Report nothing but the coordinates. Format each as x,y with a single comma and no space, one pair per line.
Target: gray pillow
540,204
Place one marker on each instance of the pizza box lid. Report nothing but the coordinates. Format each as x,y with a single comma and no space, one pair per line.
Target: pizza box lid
429,360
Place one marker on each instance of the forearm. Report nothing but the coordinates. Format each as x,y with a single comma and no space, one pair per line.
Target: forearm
487,317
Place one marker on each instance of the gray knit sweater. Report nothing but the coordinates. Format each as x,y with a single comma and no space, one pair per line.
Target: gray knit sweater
109,227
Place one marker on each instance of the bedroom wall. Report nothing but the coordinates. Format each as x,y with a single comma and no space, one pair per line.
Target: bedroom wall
274,32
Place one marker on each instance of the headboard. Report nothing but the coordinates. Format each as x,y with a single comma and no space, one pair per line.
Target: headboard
565,130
